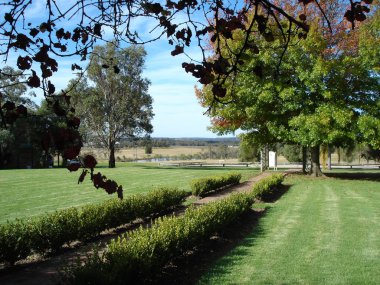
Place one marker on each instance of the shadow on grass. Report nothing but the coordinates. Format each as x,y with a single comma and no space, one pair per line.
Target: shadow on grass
277,194
188,268
370,176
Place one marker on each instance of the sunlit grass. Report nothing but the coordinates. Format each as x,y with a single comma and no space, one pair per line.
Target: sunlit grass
322,231
29,192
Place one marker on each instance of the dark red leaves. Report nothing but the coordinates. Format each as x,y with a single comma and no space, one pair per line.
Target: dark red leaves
46,26
71,152
120,192
82,176
302,17
12,113
110,186
34,80
154,8
75,66
9,106
22,42
219,91
98,30
177,50
60,46
8,17
61,34
73,166
89,161
73,122
24,63
97,179
34,32
116,69
305,2
357,12
58,110
22,110
51,88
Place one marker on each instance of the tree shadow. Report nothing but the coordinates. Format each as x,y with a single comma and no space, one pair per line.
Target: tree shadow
191,266
278,193
370,176
188,268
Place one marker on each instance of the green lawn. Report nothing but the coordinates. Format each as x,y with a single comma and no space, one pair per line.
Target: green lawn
322,231
29,192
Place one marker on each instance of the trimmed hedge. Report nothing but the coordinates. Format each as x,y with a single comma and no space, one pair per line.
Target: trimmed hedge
51,231
267,188
203,186
143,252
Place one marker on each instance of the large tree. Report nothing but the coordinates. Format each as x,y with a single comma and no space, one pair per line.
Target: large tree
320,94
71,29
115,103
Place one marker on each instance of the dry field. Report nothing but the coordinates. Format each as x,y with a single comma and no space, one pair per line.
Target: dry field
139,152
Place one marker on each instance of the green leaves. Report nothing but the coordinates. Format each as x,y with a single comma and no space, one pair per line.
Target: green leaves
50,232
203,186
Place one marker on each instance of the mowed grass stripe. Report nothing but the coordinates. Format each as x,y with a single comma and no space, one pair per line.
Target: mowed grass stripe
322,231
30,192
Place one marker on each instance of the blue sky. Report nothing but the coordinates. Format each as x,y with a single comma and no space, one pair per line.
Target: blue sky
177,112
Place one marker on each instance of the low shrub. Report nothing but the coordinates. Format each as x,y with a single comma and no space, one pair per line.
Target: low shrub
266,189
141,253
15,242
51,231
203,186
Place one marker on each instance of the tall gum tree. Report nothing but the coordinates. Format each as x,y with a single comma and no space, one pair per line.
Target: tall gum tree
115,103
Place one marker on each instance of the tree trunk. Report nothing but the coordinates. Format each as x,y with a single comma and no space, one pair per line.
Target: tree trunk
304,159
315,164
111,160
329,158
338,152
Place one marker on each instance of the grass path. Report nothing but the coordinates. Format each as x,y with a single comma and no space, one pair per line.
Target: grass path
323,231
30,192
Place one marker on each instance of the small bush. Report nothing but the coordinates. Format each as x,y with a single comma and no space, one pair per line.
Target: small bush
266,188
51,231
143,252
15,241
203,186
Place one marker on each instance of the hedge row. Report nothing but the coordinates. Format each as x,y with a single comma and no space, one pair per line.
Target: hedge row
203,186
51,231
143,252
267,188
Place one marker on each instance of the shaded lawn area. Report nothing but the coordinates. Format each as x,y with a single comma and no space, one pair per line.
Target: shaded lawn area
322,231
30,192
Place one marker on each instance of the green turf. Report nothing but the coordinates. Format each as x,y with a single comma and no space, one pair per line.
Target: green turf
322,231
29,192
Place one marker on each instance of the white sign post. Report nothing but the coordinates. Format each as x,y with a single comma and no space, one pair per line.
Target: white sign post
273,160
